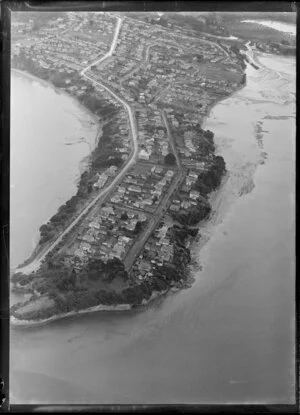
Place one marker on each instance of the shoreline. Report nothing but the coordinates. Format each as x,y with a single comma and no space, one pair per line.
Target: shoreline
59,91
280,26
17,323
219,101
127,307
38,250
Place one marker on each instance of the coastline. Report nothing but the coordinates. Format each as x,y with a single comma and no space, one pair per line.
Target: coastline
46,83
17,323
213,196
219,101
38,250
126,307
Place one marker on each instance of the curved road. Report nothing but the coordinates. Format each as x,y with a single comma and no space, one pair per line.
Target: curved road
36,263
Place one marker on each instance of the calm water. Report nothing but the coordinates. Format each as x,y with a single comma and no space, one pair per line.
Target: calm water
280,26
44,168
229,338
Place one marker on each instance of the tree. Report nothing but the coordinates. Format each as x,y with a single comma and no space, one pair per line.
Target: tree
20,278
198,57
124,216
208,134
138,227
170,159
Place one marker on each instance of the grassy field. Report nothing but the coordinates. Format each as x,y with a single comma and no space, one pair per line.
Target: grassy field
41,303
219,72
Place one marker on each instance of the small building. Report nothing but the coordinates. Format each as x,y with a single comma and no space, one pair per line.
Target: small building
108,210
85,247
131,225
144,266
185,204
94,225
170,173
121,189
88,238
134,188
174,208
194,194
144,155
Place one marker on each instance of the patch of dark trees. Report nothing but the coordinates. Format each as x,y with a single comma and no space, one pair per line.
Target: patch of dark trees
207,182
170,159
193,215
62,284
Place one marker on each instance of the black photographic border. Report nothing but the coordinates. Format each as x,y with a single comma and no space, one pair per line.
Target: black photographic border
6,7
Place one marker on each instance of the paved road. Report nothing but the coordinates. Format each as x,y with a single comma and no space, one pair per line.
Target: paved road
179,175
137,68
171,139
157,216
36,263
161,209
111,50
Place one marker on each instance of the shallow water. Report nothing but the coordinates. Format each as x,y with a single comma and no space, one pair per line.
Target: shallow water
46,157
280,26
230,337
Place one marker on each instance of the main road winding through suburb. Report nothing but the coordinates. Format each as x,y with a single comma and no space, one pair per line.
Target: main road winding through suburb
36,263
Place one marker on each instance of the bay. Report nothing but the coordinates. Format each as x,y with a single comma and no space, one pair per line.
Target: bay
51,137
230,337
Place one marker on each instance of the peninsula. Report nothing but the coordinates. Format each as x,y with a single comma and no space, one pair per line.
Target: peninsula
124,238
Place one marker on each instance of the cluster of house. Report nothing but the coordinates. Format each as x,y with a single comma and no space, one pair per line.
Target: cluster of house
189,39
142,188
170,69
71,43
70,50
167,64
94,28
183,96
128,43
107,235
84,36
101,179
186,141
82,42
127,55
112,69
187,196
158,251
153,138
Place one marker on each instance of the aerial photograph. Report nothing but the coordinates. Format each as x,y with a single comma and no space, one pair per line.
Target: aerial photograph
152,207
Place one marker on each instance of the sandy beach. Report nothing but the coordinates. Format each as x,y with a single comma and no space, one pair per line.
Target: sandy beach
17,323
